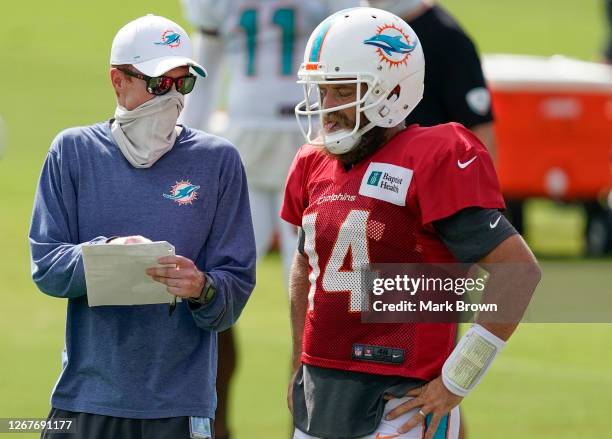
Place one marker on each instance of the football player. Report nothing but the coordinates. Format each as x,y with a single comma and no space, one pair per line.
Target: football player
366,189
259,44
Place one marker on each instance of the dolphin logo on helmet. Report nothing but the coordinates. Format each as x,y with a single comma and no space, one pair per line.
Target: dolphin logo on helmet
393,45
390,44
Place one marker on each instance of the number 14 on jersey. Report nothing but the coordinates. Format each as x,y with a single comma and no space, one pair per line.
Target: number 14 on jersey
352,239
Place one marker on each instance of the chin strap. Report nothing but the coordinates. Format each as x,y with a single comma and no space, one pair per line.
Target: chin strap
340,142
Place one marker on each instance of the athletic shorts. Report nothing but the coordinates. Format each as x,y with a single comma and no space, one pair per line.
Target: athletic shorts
447,429
102,427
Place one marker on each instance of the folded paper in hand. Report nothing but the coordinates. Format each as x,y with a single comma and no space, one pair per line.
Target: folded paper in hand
115,273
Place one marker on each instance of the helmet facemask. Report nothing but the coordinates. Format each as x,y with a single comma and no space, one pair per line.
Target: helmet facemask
344,140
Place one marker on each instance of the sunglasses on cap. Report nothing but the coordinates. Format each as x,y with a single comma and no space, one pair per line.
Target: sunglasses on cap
160,85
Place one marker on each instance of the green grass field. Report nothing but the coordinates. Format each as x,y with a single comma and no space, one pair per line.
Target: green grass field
553,381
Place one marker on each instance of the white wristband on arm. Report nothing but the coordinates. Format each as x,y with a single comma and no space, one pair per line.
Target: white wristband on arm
470,360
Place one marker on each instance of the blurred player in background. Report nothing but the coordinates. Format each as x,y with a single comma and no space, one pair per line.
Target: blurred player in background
260,44
366,189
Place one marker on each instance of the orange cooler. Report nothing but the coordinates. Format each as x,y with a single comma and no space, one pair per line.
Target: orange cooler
553,126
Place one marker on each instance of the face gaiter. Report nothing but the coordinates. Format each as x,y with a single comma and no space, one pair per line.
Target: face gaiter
147,132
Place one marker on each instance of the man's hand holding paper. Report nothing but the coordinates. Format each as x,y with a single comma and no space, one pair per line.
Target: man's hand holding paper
182,279
116,272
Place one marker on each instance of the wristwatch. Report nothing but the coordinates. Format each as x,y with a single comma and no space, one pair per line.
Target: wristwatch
208,292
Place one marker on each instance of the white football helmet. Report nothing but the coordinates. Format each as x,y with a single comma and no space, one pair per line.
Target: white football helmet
361,46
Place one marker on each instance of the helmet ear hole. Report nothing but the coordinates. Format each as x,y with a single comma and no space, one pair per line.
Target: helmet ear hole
395,93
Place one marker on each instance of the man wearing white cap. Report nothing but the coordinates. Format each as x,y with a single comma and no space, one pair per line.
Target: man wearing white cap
136,371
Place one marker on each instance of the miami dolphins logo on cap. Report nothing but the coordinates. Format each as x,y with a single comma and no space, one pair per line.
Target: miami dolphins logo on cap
170,39
392,45
183,192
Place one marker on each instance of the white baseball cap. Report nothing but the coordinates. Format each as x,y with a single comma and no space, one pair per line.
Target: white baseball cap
154,45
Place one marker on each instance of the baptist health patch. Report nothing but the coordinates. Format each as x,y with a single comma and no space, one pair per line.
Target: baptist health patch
199,428
386,182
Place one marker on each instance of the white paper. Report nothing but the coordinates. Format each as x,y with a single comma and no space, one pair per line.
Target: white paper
115,273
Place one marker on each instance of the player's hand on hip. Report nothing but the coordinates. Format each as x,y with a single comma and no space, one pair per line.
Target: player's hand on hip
432,398
182,278
136,239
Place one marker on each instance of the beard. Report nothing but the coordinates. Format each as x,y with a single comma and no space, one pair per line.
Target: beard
368,144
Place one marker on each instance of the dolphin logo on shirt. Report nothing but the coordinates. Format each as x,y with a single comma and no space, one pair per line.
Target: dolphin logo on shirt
183,192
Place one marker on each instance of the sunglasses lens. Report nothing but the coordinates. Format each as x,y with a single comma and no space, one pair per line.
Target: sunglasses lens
185,84
159,85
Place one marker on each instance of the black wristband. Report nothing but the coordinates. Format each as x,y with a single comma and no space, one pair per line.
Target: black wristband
208,293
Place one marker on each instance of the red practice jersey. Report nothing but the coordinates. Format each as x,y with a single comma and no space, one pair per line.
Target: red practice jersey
381,211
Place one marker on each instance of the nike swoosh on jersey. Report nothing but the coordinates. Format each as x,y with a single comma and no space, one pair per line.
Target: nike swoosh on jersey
378,436
494,224
466,164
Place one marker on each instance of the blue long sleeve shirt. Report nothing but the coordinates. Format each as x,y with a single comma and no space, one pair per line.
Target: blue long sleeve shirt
136,361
